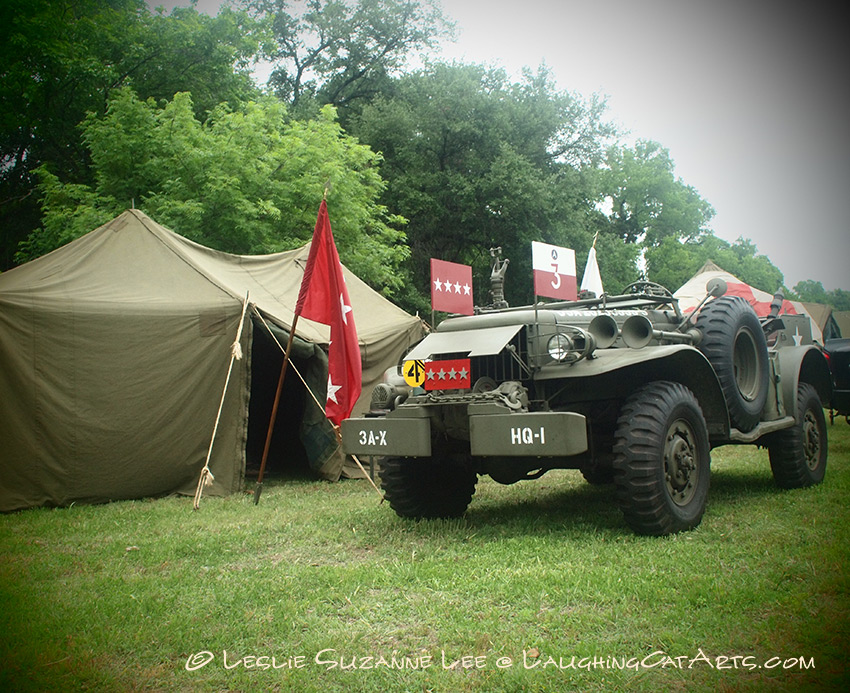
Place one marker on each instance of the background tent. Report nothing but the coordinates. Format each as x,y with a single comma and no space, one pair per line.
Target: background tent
824,317
113,355
842,319
693,291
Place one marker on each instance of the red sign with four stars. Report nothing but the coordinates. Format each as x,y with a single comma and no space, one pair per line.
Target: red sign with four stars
448,375
451,287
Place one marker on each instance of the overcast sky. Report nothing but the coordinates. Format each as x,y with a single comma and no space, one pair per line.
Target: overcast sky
749,96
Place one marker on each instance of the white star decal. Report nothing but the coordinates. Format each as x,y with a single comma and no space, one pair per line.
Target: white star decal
438,285
452,374
332,390
466,288
457,287
344,309
462,373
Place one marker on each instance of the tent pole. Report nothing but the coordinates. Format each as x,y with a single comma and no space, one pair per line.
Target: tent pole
259,488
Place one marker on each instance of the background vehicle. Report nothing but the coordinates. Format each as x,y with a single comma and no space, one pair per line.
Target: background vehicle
838,355
625,388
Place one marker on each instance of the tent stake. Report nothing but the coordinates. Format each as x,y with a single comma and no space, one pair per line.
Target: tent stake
258,490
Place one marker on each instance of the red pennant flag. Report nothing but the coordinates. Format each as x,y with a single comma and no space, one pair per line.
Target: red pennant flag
324,298
451,287
554,271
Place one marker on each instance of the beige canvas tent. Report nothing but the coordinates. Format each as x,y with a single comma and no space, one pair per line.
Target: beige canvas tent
114,351
842,319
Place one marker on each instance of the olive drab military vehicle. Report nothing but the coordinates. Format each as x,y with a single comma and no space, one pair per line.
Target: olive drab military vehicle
625,388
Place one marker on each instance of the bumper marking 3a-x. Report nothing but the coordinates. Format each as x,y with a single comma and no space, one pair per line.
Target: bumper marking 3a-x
397,437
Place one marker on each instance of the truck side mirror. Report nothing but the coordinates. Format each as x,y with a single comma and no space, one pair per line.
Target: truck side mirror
716,287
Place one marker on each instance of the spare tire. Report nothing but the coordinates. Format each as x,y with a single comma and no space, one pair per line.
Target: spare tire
734,343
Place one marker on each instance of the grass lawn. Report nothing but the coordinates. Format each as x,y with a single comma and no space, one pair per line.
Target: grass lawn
540,587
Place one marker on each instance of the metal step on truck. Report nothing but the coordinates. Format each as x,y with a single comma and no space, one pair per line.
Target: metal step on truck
625,388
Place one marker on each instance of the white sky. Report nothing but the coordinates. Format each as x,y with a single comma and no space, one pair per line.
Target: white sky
749,96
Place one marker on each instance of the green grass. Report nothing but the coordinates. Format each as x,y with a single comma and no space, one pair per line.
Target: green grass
121,597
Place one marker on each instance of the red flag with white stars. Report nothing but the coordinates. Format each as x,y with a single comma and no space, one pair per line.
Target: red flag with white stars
324,298
451,287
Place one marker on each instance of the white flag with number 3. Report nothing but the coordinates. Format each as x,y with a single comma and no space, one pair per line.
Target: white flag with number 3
554,271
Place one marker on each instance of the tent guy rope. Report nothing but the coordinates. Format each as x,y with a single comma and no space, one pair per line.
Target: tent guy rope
313,396
207,478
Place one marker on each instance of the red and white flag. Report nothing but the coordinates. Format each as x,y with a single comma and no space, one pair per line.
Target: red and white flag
324,298
554,271
451,287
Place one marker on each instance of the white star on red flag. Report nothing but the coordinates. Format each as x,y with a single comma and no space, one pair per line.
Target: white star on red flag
332,390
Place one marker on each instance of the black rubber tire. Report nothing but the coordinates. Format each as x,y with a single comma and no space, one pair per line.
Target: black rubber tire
662,459
798,454
441,486
734,343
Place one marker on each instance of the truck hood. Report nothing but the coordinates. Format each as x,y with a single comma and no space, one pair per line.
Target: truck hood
481,342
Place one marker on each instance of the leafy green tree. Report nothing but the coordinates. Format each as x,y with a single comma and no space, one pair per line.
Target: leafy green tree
840,299
60,59
337,52
648,203
813,291
672,262
244,181
474,161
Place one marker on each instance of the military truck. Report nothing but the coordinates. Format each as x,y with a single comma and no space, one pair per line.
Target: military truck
625,388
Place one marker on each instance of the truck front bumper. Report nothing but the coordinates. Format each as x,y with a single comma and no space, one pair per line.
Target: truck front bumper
517,434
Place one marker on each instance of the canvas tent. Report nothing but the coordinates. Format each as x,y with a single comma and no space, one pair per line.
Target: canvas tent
693,291
842,320
113,356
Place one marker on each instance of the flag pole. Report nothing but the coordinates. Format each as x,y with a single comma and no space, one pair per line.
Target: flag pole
258,490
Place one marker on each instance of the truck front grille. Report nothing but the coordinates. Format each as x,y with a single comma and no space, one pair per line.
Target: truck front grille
503,366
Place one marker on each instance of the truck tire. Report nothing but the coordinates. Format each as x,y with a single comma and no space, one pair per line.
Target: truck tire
734,344
798,454
661,459
434,487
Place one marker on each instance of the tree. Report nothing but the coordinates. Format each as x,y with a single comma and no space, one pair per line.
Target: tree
812,291
474,161
60,59
244,181
337,52
648,203
672,262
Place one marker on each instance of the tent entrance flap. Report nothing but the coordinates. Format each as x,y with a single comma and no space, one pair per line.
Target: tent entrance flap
303,440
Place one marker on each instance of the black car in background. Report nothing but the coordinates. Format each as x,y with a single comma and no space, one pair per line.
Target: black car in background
838,354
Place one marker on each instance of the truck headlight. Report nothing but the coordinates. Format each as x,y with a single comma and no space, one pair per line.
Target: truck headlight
560,346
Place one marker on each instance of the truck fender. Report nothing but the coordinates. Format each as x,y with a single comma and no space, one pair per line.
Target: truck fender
803,364
691,368
617,373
